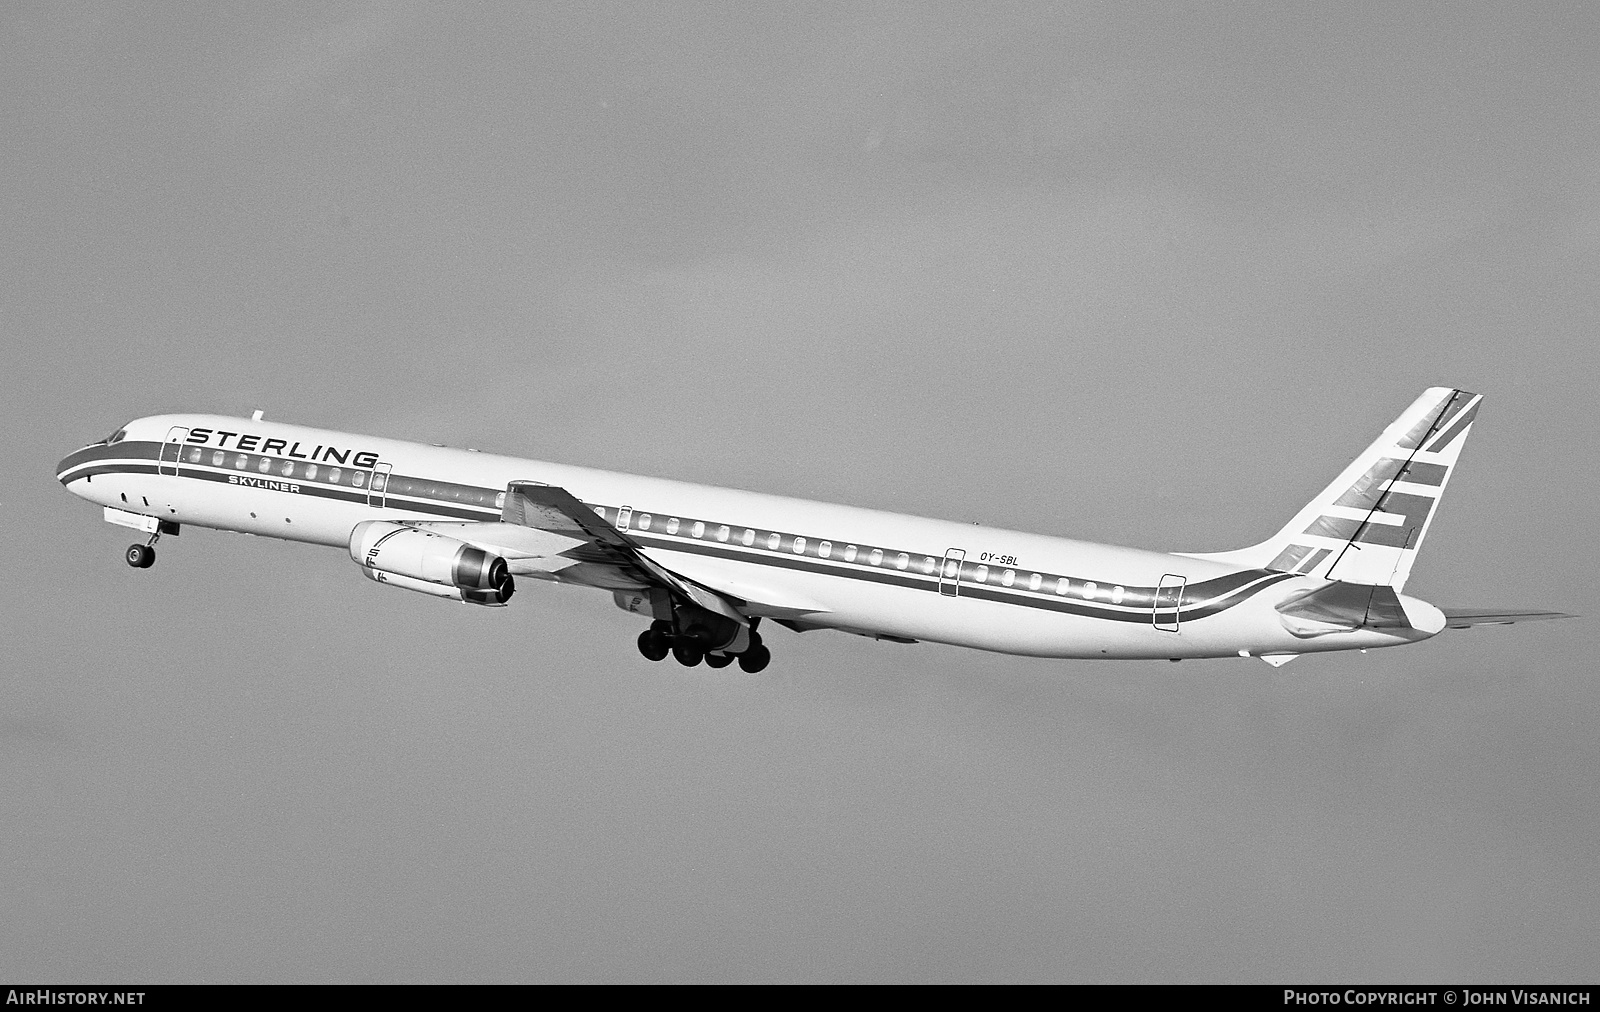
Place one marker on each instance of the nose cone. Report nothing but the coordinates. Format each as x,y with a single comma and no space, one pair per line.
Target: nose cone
71,467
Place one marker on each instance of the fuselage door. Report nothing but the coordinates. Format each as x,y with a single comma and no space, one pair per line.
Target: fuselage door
378,485
172,451
950,572
1169,599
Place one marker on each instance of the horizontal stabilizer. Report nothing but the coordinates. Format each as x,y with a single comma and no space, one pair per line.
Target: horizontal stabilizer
1466,618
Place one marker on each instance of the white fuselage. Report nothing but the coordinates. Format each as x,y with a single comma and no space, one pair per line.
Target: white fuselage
840,567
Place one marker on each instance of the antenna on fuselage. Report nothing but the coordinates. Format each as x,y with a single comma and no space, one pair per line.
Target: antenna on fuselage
255,416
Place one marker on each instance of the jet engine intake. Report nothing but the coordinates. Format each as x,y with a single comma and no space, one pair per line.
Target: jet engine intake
430,563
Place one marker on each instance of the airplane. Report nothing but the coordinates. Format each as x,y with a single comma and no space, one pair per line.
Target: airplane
708,566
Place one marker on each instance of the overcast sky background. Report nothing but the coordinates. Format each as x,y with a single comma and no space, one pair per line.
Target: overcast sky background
1137,275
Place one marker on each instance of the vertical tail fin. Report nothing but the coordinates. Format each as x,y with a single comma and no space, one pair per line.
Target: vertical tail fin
1367,525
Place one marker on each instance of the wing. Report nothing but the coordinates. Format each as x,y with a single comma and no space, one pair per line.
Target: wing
546,531
1466,618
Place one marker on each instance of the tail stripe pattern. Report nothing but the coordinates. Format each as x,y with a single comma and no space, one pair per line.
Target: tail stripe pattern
1427,425
1367,525
1449,436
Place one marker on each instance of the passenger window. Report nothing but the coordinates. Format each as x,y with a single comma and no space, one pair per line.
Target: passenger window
672,526
1116,595
1008,578
1034,581
928,564
849,553
799,546
1063,585
194,455
699,529
824,549
600,511
358,478
722,533
311,472
1089,589
644,521
265,465
982,575
241,461
217,458
334,474
876,557
287,469
902,560
378,482
749,537
772,541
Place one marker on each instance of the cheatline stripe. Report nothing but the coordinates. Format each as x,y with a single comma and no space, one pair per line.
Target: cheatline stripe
1216,595
1199,600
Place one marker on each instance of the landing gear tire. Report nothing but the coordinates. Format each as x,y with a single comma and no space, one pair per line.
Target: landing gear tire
755,659
654,645
140,556
718,660
688,652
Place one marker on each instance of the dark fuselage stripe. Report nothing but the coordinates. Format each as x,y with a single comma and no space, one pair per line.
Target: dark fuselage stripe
1137,610
1199,600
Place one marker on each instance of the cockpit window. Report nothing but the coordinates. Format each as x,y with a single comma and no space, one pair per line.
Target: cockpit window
115,437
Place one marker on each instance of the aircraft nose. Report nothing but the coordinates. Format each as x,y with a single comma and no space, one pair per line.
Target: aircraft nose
69,463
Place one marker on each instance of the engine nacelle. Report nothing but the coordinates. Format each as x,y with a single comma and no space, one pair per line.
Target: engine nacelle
487,598
430,563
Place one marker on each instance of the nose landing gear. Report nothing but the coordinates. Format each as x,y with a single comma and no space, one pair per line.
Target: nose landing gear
142,556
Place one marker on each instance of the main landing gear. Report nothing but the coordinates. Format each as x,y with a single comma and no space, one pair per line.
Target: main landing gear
689,648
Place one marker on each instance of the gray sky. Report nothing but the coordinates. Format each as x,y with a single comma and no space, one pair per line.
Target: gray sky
1145,276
